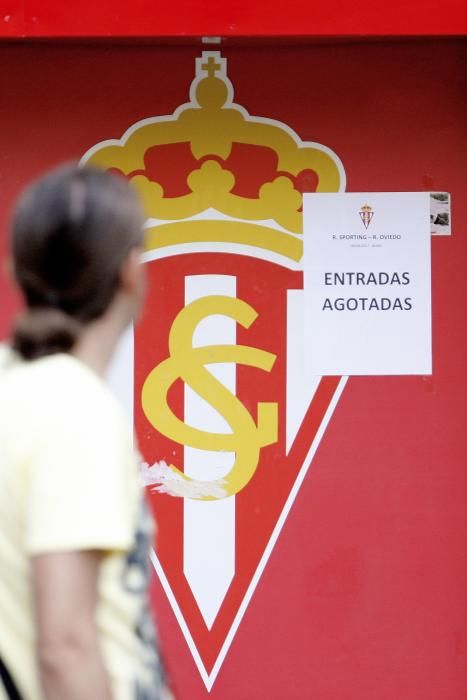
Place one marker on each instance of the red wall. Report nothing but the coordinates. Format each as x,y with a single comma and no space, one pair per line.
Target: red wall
82,18
364,595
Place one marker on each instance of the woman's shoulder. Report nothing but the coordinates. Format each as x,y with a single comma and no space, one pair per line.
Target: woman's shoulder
74,383
8,357
59,385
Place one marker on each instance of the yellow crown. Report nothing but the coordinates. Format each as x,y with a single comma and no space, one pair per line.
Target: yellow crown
366,207
211,154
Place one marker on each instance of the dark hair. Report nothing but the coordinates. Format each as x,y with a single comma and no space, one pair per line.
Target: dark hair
71,232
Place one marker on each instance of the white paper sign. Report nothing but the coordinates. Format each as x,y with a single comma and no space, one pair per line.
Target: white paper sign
367,283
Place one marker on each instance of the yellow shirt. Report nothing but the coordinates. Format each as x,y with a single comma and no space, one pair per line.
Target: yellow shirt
68,481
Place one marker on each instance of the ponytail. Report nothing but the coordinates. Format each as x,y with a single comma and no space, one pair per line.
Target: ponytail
41,331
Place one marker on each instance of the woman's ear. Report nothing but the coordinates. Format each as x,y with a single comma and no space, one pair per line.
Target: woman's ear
9,270
133,277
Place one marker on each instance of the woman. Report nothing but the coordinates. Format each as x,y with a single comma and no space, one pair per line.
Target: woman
74,624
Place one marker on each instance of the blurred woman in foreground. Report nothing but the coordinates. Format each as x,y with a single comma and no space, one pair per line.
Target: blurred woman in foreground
74,535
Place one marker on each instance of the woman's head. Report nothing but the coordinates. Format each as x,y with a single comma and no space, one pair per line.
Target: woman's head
73,230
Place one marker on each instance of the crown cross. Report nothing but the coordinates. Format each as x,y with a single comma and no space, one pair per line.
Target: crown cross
211,66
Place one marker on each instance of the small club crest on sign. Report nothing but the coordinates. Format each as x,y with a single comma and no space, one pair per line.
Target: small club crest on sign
366,215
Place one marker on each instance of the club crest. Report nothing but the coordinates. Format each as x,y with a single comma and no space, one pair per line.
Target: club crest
366,214
225,422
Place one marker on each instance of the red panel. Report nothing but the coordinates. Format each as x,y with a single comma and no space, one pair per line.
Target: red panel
11,18
364,594
146,18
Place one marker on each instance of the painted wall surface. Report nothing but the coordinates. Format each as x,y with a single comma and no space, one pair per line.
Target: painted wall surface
363,595
242,18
